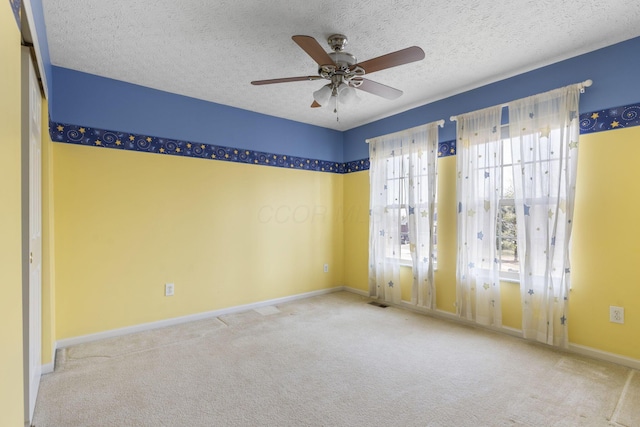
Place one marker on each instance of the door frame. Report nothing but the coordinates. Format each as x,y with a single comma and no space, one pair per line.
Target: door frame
31,183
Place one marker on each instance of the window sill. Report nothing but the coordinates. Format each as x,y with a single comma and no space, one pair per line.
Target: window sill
507,277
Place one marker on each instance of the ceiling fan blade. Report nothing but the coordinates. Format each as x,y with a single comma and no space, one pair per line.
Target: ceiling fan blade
315,104
393,59
313,49
379,89
285,80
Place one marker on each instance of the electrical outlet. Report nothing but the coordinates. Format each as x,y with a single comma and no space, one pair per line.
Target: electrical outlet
616,314
168,289
326,268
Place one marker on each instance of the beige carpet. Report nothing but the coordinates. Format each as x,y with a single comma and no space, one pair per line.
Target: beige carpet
332,360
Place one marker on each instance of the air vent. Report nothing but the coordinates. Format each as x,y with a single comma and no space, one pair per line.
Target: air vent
378,304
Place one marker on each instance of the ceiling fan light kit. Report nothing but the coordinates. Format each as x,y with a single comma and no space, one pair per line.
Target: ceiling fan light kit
344,73
347,94
344,93
322,95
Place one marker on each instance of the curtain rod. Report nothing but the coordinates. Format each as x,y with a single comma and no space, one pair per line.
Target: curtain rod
581,86
439,123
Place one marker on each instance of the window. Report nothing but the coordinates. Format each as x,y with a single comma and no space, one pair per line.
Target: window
403,178
502,227
506,224
507,240
397,202
405,245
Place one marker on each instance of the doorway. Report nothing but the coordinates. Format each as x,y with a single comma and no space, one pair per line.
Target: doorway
31,232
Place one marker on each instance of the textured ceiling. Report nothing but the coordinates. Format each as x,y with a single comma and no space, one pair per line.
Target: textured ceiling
212,50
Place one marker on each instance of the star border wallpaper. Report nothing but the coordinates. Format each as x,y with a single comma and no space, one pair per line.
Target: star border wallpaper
89,136
596,121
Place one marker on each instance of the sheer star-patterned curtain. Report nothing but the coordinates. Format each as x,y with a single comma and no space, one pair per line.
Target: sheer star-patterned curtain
479,182
402,207
544,133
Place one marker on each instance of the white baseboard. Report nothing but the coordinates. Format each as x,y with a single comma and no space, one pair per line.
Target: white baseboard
67,342
604,355
447,315
47,368
355,291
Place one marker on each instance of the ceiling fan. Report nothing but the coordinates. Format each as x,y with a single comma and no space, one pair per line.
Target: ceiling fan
344,72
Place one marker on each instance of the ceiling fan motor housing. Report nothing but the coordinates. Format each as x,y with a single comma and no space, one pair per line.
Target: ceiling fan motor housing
342,69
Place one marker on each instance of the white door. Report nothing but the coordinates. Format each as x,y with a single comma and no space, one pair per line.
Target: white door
33,296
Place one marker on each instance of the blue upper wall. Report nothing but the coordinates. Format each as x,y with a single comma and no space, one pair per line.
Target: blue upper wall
89,100
616,82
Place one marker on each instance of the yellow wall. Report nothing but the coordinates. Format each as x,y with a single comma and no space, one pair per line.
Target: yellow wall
445,275
226,234
356,230
511,305
606,246
11,386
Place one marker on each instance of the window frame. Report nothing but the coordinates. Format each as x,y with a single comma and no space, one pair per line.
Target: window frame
506,276
404,259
